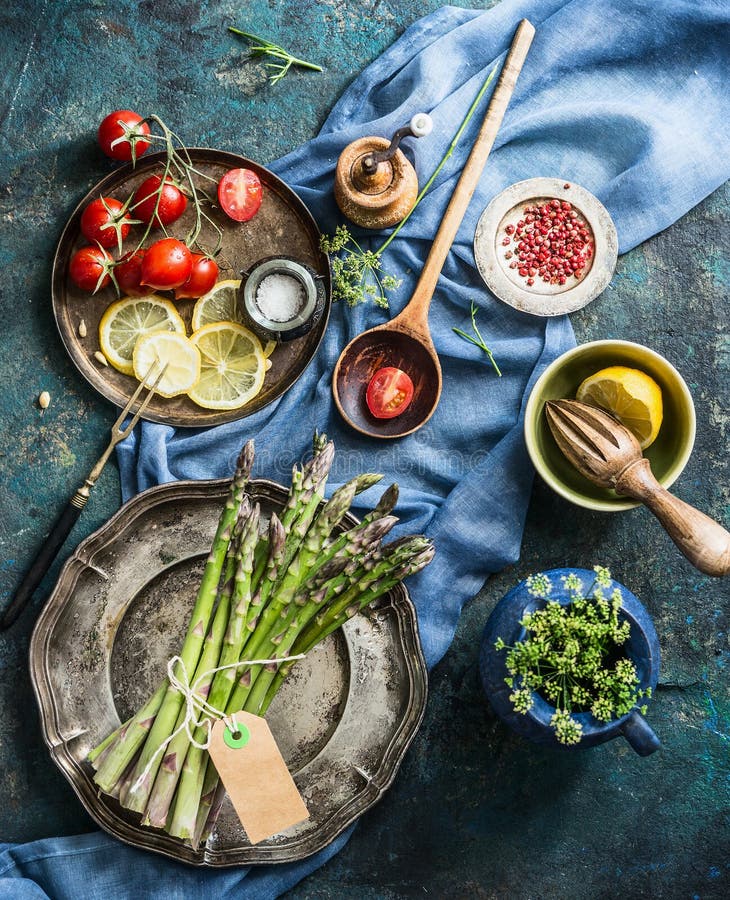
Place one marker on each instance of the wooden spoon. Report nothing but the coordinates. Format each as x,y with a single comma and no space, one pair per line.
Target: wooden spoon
607,453
405,341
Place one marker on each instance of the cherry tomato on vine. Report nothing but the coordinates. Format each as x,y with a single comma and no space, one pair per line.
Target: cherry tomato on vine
389,393
128,272
171,206
89,268
240,194
166,265
102,220
203,276
110,131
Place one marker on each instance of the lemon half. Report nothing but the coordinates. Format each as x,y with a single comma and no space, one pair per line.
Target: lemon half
232,366
176,353
128,319
630,395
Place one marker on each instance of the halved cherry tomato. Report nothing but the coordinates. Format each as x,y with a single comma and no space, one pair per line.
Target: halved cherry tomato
203,276
89,268
128,272
110,131
389,393
102,220
240,194
166,265
171,206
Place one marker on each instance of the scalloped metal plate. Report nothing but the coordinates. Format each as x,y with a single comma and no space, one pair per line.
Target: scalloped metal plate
343,719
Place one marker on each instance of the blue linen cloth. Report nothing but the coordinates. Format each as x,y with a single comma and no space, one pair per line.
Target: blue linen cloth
621,96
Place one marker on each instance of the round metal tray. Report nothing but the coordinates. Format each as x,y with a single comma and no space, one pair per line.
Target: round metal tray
282,226
543,299
343,718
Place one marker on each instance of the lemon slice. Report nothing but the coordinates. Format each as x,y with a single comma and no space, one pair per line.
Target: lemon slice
232,366
175,352
269,348
220,304
630,395
126,320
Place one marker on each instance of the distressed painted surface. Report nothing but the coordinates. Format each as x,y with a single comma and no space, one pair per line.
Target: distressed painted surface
474,812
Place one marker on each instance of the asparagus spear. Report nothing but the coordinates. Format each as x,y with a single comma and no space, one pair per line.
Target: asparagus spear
304,499
235,591
300,516
317,632
414,555
310,545
330,600
211,798
193,771
197,629
95,754
131,737
332,577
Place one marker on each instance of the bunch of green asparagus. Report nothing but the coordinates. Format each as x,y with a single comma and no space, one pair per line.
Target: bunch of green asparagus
264,596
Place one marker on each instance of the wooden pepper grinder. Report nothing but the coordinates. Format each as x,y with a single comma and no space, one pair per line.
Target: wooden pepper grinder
375,185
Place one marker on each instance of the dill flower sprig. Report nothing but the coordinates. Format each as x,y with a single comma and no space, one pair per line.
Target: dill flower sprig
357,274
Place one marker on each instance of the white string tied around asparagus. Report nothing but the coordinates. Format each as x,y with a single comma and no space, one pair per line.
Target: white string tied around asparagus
197,706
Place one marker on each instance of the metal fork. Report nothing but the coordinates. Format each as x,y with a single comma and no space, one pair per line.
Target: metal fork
72,510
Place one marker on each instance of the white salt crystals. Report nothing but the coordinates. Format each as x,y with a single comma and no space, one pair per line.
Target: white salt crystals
280,297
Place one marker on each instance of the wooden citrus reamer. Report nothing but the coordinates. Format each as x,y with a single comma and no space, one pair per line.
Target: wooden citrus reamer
606,453
406,341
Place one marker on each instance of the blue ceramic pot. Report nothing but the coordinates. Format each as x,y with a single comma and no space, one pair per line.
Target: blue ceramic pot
642,648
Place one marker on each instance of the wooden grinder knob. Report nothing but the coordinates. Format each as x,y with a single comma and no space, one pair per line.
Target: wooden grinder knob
376,200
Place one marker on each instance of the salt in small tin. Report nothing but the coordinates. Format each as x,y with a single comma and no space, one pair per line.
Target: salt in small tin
303,298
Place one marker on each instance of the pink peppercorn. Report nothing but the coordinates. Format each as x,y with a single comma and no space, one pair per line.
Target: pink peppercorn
552,242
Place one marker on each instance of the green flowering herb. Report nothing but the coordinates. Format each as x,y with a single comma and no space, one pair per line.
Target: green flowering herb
572,655
357,274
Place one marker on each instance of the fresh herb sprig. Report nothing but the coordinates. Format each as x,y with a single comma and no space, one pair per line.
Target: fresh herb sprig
349,280
281,59
477,338
572,656
356,274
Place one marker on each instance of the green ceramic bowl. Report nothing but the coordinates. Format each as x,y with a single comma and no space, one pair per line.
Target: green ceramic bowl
669,452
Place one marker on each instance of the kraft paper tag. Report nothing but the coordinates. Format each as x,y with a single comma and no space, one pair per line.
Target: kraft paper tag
255,775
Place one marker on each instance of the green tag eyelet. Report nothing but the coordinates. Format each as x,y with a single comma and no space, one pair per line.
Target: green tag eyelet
236,739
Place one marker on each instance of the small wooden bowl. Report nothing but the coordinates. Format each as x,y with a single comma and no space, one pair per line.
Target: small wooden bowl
362,358
544,299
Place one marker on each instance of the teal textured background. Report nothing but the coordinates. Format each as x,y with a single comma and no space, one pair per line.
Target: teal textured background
474,812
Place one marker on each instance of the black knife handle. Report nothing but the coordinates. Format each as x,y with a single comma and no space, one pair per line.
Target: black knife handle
48,552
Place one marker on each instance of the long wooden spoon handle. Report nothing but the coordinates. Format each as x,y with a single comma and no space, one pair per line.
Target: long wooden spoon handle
704,542
418,307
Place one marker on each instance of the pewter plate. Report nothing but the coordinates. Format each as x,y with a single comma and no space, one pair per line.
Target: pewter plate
343,719
544,299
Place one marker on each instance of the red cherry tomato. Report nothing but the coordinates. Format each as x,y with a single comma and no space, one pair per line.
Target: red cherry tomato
389,393
166,265
240,194
102,220
203,276
171,206
89,268
110,131
128,272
